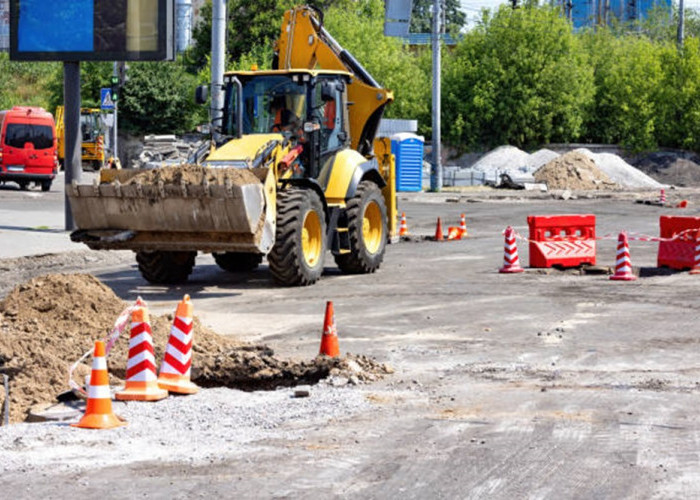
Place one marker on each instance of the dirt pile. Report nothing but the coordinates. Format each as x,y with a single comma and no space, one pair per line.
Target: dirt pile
47,323
573,170
194,174
671,168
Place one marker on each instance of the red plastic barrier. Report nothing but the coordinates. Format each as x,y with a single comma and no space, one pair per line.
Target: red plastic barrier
562,240
680,253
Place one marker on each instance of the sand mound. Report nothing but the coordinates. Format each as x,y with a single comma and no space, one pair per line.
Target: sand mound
573,170
194,174
47,323
619,171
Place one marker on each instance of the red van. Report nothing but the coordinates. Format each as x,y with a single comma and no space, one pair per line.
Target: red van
28,147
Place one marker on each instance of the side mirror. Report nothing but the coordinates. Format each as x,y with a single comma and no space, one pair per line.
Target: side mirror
201,94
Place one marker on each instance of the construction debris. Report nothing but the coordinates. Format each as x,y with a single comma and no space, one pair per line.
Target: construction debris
159,150
48,322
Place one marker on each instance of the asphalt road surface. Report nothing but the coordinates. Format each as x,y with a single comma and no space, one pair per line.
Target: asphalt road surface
535,385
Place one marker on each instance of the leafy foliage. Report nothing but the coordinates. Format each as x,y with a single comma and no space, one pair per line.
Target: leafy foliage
522,78
23,83
159,99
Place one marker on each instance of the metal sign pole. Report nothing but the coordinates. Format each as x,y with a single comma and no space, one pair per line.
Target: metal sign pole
436,174
71,126
115,151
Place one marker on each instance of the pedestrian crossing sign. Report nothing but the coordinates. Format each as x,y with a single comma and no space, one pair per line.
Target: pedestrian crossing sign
106,101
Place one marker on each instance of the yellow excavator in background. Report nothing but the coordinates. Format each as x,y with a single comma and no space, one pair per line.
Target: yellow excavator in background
306,130
93,137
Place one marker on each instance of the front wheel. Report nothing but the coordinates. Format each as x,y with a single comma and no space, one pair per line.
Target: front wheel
367,231
296,259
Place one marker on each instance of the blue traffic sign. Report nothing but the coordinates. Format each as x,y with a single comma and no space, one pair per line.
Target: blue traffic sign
106,101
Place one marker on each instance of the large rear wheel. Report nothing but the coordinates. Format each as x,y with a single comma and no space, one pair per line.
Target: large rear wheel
237,262
367,230
166,267
296,259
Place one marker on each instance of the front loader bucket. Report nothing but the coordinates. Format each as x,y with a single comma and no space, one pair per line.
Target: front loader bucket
187,207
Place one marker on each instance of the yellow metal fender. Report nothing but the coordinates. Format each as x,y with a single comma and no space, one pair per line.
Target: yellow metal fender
341,175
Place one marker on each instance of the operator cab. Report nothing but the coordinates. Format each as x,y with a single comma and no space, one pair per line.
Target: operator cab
306,107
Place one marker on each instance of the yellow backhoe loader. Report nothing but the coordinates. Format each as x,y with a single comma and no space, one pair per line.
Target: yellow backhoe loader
309,175
93,137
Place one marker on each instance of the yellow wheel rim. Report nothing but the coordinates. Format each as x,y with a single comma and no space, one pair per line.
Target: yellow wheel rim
372,227
311,238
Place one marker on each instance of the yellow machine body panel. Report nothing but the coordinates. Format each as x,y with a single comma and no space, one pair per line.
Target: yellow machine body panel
92,150
244,148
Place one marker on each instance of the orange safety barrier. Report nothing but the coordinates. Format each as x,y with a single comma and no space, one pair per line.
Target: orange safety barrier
562,240
678,253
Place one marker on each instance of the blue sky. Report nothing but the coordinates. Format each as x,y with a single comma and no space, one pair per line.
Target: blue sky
472,7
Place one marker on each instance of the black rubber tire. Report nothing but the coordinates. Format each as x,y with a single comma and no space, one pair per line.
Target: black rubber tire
46,186
287,262
360,260
165,267
23,185
238,262
96,165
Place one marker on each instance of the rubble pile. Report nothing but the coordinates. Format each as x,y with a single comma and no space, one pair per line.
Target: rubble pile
49,322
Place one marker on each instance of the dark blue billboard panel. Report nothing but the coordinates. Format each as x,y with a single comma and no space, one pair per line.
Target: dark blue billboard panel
588,13
95,30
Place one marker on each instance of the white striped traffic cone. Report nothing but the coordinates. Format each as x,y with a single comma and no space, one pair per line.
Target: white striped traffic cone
141,379
175,369
662,197
511,261
403,227
98,413
623,264
696,260
463,225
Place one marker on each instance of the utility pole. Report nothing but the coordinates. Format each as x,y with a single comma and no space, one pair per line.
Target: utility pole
681,24
218,56
436,174
115,153
71,127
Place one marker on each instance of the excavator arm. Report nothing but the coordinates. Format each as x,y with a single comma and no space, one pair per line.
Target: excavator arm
305,43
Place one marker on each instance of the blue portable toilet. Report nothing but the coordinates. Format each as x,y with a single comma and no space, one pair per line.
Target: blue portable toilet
408,150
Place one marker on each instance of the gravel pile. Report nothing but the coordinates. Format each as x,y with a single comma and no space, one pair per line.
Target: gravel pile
573,170
203,428
619,171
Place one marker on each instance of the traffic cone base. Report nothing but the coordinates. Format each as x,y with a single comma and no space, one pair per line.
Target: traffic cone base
177,384
142,391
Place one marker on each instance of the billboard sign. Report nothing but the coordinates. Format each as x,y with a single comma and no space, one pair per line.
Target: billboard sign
92,30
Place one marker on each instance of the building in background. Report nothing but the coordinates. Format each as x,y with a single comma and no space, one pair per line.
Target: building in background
5,25
587,13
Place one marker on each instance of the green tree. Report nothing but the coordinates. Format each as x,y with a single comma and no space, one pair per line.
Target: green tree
359,26
159,99
422,16
521,78
628,75
23,83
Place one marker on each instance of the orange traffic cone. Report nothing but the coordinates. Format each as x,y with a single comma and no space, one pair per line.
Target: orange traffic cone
403,227
463,225
141,379
623,264
454,233
329,338
438,231
696,260
511,261
98,413
177,362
